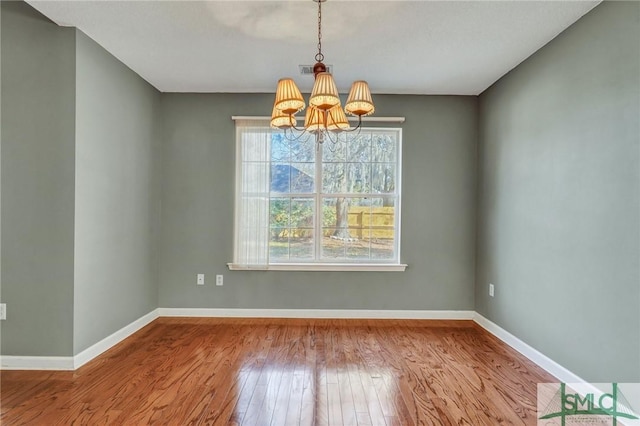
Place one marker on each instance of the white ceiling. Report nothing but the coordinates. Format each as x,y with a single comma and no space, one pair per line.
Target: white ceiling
416,47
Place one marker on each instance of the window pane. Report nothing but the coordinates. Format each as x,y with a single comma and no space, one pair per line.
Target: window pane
304,150
302,212
359,148
335,212
280,178
284,150
359,247
278,245
280,151
334,178
358,228
382,225
333,248
292,229
383,147
335,231
301,245
358,178
302,177
279,213
335,151
383,177
279,219
294,177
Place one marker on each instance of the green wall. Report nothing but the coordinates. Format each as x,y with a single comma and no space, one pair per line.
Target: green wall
117,207
38,116
438,212
80,189
559,197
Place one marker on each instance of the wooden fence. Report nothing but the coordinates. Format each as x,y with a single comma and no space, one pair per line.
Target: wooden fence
377,222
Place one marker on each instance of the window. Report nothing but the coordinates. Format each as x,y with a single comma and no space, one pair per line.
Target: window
335,206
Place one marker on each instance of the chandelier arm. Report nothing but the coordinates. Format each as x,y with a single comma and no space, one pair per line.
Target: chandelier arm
301,129
323,135
333,147
328,134
291,137
358,126
293,126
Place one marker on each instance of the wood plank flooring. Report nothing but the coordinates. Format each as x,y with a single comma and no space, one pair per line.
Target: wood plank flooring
187,371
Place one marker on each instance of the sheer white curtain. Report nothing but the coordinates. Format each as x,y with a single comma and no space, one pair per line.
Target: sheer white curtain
253,147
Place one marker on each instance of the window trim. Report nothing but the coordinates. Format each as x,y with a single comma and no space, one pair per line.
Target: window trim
339,267
367,266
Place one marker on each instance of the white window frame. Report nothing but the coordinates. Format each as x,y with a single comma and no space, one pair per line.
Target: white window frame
252,214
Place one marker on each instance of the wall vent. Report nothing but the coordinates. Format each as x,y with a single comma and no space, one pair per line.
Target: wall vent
308,69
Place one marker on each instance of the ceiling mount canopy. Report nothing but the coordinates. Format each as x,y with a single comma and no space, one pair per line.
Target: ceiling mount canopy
324,114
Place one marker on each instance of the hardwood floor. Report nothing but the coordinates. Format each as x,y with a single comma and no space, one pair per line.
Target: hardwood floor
286,372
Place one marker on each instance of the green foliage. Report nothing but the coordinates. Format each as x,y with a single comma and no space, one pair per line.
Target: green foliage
328,216
289,217
301,214
279,211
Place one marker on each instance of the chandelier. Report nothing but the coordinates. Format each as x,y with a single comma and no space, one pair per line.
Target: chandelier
324,115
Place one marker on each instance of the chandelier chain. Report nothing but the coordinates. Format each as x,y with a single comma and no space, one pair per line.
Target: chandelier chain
319,55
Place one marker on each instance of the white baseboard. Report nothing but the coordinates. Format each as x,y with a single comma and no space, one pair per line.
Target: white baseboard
8,362
316,313
74,362
543,361
108,342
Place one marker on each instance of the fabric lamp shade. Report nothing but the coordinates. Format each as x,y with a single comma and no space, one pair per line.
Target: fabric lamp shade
280,120
359,102
325,93
337,120
288,97
314,120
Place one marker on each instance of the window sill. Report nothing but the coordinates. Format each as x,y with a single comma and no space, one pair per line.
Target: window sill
335,267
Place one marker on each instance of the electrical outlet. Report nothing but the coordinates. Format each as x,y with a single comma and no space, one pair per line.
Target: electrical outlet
491,290
200,279
3,311
219,280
